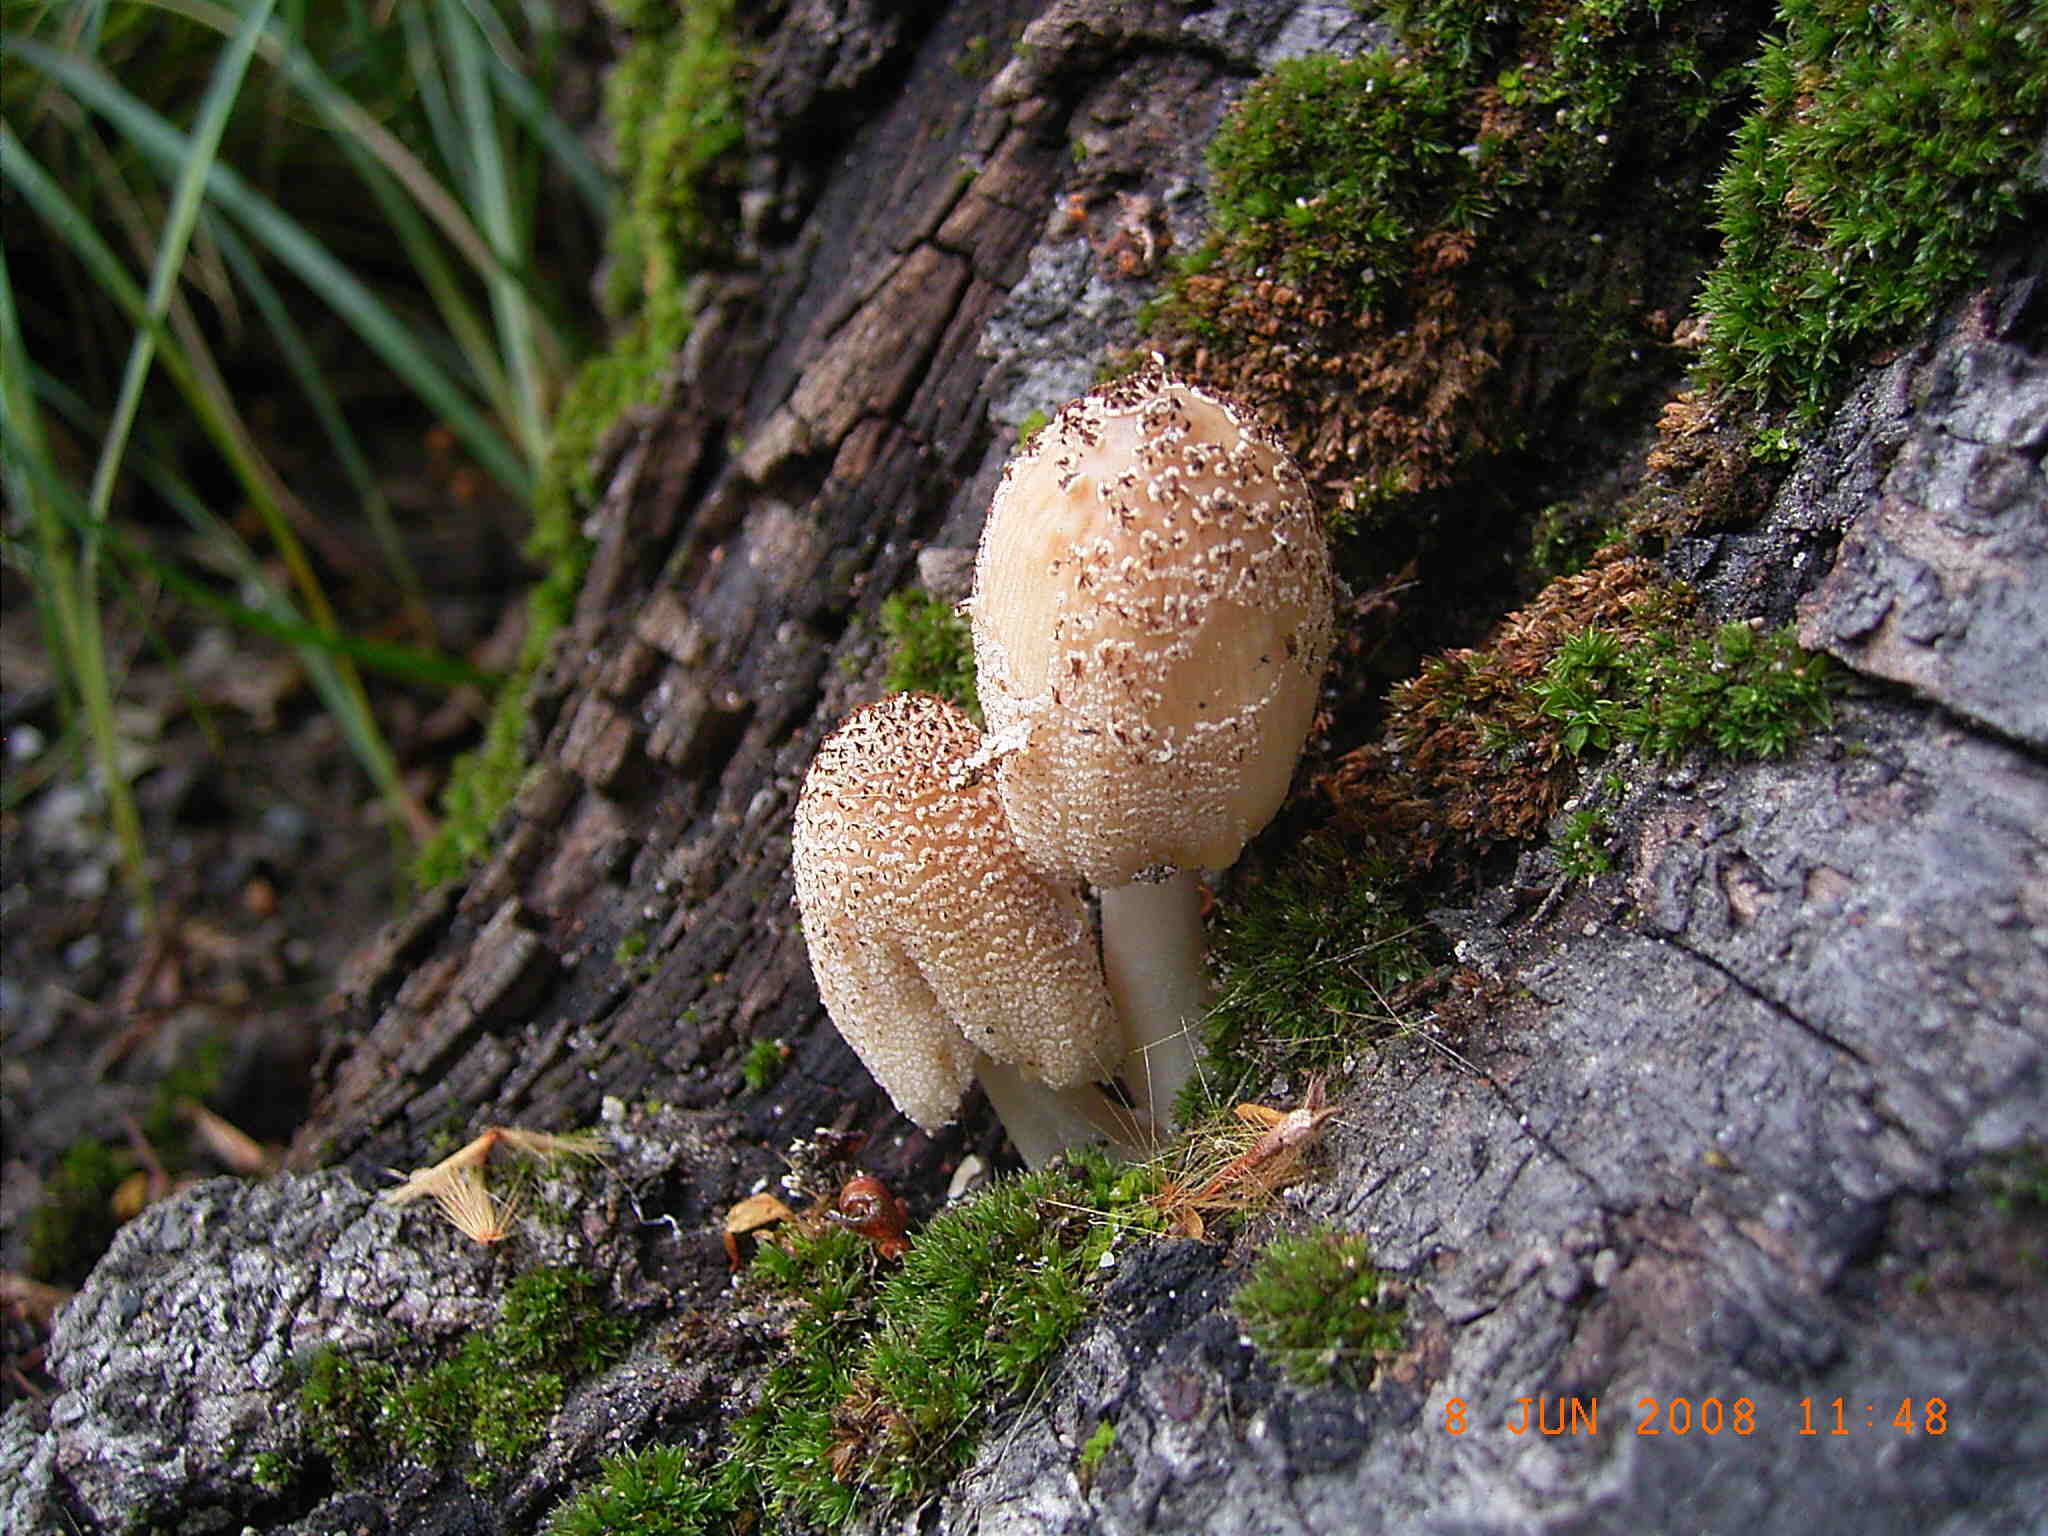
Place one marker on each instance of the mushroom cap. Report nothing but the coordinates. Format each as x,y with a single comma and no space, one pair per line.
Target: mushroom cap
1151,620
929,934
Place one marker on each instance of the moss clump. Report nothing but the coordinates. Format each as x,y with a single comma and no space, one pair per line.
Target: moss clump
1740,692
1315,1306
761,1067
491,1401
1469,248
1029,428
678,119
1332,168
1095,1450
74,1221
932,649
343,1398
1315,956
1886,152
786,1444
2016,1181
1567,536
886,1378
1489,743
1583,849
658,1491
273,1472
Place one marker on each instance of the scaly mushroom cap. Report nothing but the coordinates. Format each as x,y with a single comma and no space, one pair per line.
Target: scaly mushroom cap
1151,619
929,934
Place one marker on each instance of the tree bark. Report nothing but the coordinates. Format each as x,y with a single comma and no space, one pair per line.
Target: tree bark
829,419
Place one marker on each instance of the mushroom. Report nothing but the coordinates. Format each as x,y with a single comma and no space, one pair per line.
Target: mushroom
939,953
1151,616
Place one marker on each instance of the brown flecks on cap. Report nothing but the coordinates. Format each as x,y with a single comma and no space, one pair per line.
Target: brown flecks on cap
1157,554
929,935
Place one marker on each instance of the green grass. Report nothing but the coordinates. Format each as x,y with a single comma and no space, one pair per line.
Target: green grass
157,232
1883,158
677,115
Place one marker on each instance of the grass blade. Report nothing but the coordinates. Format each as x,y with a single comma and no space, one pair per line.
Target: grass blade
563,147
287,240
490,189
219,101
298,358
215,412
77,645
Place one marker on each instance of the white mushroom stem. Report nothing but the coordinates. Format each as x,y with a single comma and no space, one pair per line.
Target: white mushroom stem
1152,954
1043,1122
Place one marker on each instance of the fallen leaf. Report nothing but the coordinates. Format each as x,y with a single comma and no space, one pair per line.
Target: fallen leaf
750,1215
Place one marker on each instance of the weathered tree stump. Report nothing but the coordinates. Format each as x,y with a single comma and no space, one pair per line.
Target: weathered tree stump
1718,1133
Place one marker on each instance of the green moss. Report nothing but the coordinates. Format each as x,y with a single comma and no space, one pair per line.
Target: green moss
1095,1450
629,949
273,1472
886,1378
653,1492
1885,154
1428,258
1314,957
678,119
1740,692
2017,1181
976,59
932,649
784,1446
1774,443
74,1221
488,1404
343,1398
1314,1305
1566,537
1582,845
1487,745
761,1067
196,1078
1029,428
1331,167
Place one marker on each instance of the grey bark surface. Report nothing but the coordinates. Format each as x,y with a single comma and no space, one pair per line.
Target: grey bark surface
1713,1141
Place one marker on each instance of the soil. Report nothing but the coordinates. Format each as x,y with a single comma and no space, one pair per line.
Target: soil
271,859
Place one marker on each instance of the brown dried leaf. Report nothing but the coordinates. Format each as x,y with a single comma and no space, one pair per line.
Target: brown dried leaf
750,1215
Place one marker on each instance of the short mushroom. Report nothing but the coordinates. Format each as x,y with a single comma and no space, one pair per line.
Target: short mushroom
1151,615
939,953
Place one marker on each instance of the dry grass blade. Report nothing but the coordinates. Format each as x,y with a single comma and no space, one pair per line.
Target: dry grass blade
1241,1165
457,1185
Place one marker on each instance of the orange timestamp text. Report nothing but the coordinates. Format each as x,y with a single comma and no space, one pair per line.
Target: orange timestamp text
1710,1416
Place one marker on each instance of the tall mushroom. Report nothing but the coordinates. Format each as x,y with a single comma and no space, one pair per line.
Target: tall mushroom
1151,615
938,951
